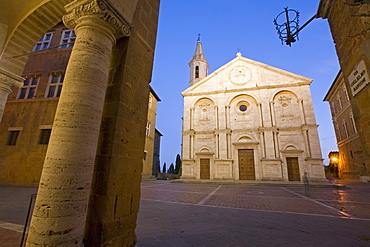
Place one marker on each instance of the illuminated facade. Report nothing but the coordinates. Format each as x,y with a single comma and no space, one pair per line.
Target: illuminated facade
248,121
349,23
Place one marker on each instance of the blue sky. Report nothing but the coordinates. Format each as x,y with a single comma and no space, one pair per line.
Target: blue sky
225,27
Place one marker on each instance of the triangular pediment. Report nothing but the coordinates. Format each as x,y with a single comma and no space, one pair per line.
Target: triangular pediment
245,74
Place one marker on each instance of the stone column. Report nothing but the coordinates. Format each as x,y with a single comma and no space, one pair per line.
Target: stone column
61,206
7,81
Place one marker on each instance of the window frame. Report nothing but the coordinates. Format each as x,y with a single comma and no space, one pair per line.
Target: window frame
28,87
13,135
44,136
69,39
58,85
44,41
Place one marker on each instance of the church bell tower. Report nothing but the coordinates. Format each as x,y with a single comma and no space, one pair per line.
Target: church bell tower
198,65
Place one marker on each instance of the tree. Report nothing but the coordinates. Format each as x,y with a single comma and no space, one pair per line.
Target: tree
164,167
178,165
171,170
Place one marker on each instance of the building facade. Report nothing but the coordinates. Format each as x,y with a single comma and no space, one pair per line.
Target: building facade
150,149
248,121
349,23
30,111
351,164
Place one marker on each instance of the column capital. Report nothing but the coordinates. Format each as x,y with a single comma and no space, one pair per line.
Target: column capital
10,79
101,9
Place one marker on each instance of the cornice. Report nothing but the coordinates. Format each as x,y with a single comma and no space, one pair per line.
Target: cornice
324,8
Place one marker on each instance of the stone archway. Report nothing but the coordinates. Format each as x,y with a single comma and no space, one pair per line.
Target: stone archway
89,100
19,40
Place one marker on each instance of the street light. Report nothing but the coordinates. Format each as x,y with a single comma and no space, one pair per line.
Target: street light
287,25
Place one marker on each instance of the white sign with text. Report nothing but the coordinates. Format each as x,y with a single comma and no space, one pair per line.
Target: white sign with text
358,78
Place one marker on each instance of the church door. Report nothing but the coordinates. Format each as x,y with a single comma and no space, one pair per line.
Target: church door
204,169
246,164
293,169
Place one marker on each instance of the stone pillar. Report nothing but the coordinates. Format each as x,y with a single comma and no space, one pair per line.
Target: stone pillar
7,81
191,118
61,206
227,116
261,114
303,114
307,141
272,113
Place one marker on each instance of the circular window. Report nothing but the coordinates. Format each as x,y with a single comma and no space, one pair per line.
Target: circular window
243,108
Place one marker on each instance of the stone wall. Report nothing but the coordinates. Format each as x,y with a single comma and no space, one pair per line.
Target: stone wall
116,185
349,27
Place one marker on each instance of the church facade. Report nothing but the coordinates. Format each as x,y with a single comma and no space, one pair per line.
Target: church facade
248,121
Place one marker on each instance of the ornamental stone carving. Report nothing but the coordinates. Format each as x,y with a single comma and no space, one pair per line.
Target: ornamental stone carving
101,9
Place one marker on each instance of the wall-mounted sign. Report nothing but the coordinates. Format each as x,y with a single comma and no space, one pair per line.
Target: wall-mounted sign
358,78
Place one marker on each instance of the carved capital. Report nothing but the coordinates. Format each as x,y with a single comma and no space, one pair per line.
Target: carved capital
9,80
101,9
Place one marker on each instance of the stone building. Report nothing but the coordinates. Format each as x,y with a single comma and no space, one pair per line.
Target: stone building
29,113
151,149
248,121
89,191
349,23
156,153
351,158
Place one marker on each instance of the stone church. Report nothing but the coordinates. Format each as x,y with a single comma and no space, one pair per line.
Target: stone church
248,121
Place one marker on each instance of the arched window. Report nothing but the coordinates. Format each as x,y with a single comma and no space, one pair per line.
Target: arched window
196,71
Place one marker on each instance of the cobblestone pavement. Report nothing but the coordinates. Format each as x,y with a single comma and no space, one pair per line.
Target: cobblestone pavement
180,214
351,200
229,214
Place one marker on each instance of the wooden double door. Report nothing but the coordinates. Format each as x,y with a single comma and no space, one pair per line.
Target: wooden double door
293,169
246,164
205,170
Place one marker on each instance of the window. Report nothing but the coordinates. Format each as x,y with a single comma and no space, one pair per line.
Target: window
147,129
44,42
339,134
68,38
345,129
333,109
346,95
44,136
243,108
55,85
12,137
196,71
150,101
28,90
353,123
339,101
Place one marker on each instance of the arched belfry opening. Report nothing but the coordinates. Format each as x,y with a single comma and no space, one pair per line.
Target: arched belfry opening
82,200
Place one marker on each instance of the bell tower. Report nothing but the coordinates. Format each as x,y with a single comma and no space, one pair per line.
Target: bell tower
198,65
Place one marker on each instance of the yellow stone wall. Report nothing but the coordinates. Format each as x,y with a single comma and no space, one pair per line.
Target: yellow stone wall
349,27
22,164
149,139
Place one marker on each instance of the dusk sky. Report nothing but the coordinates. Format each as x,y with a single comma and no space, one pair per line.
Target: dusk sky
225,27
